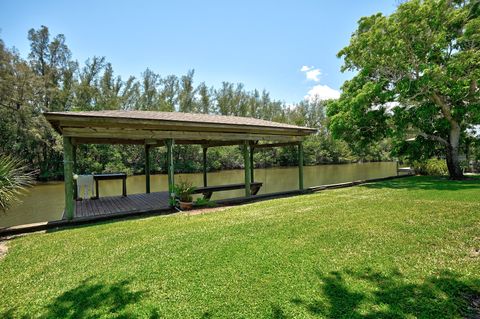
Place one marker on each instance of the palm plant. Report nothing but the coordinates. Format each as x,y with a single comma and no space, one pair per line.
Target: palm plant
14,178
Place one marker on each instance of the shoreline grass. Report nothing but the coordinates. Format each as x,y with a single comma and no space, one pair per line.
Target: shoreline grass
401,248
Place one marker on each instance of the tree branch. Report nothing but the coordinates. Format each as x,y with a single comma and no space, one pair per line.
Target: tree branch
437,99
434,138
473,87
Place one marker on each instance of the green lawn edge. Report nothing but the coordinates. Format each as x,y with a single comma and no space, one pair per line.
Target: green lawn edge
401,248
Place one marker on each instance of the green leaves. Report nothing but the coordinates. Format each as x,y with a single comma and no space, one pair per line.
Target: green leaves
14,178
184,190
417,69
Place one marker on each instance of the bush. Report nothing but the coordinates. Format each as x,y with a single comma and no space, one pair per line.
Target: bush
14,178
202,202
184,190
432,167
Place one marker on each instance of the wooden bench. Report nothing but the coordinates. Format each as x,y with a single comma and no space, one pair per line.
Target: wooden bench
110,176
208,191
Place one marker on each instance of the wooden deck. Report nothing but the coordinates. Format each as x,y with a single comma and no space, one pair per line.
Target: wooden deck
119,205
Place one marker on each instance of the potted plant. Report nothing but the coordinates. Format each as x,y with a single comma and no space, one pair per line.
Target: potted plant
184,191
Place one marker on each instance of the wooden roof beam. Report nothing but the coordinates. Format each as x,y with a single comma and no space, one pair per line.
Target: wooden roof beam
113,141
136,134
271,145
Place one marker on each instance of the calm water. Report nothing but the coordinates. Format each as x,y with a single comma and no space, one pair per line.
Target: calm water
44,202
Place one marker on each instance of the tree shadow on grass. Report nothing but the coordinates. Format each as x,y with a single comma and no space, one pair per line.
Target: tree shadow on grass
277,313
10,314
446,295
92,299
427,183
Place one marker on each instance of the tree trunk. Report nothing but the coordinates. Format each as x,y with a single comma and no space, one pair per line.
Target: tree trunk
452,156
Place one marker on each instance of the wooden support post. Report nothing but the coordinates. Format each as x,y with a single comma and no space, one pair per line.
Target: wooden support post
170,170
300,166
147,168
68,177
124,186
246,160
205,166
75,171
252,165
97,189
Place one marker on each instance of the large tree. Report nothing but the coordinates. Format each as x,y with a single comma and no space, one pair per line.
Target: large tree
418,72
51,61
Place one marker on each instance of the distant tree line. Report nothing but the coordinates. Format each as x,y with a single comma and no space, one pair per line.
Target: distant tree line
51,80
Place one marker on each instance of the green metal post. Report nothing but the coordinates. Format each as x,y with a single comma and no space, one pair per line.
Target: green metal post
252,166
147,168
68,176
246,159
300,166
170,171
75,171
205,166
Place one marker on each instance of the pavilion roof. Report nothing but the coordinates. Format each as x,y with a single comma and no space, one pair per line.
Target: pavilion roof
139,126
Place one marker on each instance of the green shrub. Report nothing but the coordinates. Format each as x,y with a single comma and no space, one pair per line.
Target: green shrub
431,167
202,202
14,178
184,190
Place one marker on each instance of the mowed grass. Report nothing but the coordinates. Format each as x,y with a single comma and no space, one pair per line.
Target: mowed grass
403,248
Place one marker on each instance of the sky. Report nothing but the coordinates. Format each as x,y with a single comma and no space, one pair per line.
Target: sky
288,48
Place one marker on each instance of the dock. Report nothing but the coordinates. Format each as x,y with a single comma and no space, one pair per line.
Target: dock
120,205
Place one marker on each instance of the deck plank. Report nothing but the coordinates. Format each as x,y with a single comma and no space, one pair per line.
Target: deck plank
121,205
89,208
124,204
116,207
145,200
150,201
110,205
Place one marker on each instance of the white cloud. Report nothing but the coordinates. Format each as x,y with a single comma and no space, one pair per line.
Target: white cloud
322,92
319,91
305,68
311,73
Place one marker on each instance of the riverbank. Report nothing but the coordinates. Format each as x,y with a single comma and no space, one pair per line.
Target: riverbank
222,203
397,248
45,202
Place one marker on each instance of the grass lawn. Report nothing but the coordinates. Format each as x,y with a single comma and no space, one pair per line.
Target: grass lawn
397,249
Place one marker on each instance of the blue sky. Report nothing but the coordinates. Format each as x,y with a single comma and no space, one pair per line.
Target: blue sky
262,44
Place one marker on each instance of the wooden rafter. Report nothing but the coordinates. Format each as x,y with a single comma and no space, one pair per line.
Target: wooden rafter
119,135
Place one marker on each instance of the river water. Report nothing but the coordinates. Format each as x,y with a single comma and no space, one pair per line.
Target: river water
45,201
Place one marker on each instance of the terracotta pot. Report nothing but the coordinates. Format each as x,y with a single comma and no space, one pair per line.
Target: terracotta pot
186,205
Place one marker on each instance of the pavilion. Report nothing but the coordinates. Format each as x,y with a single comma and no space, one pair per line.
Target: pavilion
155,129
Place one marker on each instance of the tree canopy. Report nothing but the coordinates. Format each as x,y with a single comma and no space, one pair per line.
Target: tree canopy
49,79
417,79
